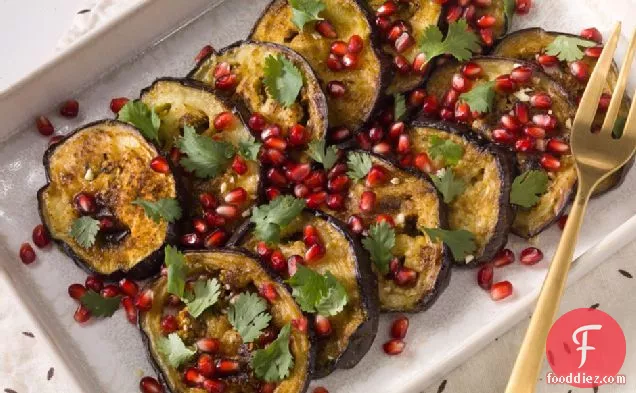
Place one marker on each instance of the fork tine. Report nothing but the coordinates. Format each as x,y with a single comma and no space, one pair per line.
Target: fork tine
589,103
629,133
619,91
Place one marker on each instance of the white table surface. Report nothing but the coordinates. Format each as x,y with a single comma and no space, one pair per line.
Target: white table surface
29,33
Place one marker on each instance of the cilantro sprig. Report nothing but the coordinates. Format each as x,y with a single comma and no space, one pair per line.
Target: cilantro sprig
272,364
139,115
359,165
98,305
399,107
448,185
177,270
380,242
205,294
459,42
164,208
480,98
84,230
271,218
528,187
205,157
316,293
445,149
305,11
174,350
283,80
248,315
566,48
461,242
249,148
319,152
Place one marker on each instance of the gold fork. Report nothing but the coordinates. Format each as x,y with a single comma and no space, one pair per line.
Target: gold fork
597,156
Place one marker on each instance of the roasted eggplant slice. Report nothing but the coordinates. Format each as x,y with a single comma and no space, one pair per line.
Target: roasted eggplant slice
501,10
182,102
326,245
413,18
530,44
407,199
247,61
225,329
94,174
486,170
532,116
359,73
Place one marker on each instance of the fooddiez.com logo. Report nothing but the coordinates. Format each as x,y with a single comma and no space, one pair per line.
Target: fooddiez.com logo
585,348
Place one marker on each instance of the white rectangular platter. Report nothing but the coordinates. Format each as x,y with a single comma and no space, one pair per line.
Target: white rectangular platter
127,55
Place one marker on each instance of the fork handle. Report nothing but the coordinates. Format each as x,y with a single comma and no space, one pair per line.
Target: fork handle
528,364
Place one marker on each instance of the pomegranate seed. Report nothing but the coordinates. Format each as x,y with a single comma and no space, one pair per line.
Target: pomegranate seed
376,176
350,61
462,112
558,146
296,135
487,36
292,263
420,64
547,60
461,83
228,212
300,324
541,101
550,163
215,239
470,11
485,276
214,386
224,121
175,155
236,197
503,136
447,114
336,89
501,290
69,108
192,377
263,250
405,277
339,134
208,345
239,165
272,193
394,347
316,179
227,82
82,314
336,201
207,201
404,42
316,199
385,218
213,219
117,103
334,63
277,261
271,131
160,164
76,291
268,387
203,53
326,29
530,256
205,365
522,7
383,23
94,283
471,70
44,126
310,235
143,301
191,240
450,98
322,326
338,48
110,291
40,236
200,225
594,52
338,183
85,203
314,252
604,102
505,84
535,132
276,143
401,64
257,122
301,191
129,308
510,122
128,287
399,328
486,21
423,163
274,157
356,44
55,139
367,201
387,9
416,98
521,74
222,69
524,144
169,324
592,34
227,367
396,130
482,3
430,106
453,14
522,112
580,70
355,224
382,148
150,385
395,32
268,291
376,134
504,257
549,122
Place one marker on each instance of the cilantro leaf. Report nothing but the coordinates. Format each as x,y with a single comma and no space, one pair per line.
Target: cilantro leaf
166,208
139,115
459,42
205,156
461,242
619,126
399,107
174,350
315,293
206,293
177,270
445,149
249,316
272,364
359,165
84,231
304,11
270,218
282,80
448,185
327,156
379,243
509,10
480,98
566,48
528,187
98,305
249,148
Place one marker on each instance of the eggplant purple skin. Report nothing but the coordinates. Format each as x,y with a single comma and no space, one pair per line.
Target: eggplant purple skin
362,339
507,171
319,99
152,263
386,63
238,251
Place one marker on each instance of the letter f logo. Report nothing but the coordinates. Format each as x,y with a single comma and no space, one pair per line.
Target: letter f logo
583,344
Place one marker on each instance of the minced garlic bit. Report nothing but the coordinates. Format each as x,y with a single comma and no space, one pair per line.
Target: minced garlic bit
89,175
395,181
568,124
522,95
441,172
223,187
469,258
399,219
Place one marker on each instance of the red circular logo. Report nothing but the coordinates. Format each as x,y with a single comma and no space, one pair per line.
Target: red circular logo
584,347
